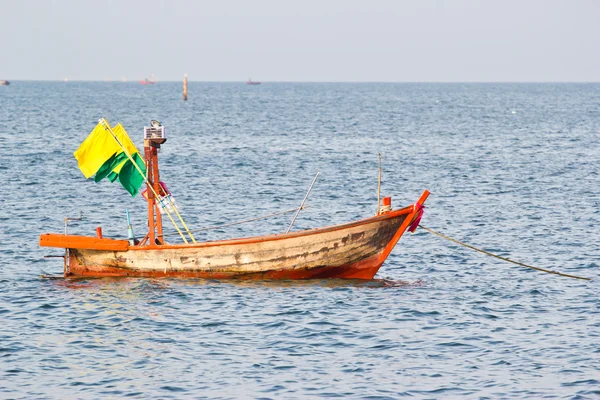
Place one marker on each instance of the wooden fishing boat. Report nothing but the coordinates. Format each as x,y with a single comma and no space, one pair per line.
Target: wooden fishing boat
352,250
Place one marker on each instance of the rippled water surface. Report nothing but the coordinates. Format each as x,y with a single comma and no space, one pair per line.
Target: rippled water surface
512,169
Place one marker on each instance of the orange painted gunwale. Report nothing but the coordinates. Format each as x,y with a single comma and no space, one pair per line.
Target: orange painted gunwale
279,236
82,242
87,242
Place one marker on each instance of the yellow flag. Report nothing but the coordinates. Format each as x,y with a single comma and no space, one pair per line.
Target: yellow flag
98,147
121,133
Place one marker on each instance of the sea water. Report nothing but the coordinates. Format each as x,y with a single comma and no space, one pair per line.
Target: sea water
512,169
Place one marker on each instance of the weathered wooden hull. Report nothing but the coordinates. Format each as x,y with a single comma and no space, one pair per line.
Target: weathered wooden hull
353,250
342,252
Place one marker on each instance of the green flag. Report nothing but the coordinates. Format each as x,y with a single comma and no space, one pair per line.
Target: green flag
116,166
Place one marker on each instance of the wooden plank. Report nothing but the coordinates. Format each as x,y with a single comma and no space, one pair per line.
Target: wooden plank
82,242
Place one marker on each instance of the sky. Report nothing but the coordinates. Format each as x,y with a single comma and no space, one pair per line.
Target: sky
301,40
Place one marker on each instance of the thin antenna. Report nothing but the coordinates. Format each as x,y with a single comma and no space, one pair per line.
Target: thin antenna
303,201
379,186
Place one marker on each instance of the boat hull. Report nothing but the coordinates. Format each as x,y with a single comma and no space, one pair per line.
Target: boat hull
356,250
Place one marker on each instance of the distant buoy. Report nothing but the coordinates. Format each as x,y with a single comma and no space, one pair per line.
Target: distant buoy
185,87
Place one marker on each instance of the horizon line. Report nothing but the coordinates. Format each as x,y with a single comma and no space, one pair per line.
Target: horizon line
67,80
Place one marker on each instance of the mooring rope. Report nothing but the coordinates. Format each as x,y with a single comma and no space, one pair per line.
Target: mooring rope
502,258
244,221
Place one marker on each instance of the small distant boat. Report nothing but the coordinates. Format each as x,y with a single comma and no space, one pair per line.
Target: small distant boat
251,82
5,83
148,81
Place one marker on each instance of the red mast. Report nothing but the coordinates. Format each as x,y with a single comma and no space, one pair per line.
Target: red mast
154,136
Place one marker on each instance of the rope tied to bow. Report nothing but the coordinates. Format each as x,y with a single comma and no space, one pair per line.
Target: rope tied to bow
502,258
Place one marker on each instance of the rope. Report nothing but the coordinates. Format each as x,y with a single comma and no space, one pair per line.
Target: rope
502,258
243,221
